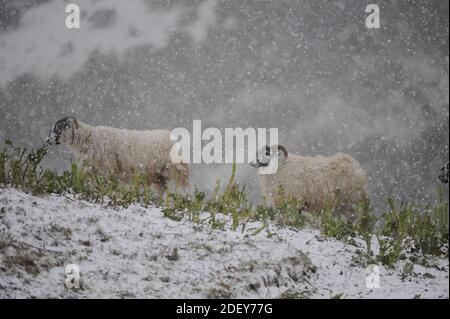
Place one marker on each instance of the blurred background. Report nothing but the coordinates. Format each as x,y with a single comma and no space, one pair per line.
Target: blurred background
310,68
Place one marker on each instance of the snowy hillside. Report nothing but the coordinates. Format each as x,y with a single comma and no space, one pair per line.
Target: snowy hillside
140,253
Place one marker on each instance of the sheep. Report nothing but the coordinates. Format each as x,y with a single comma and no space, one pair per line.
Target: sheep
443,176
122,152
317,182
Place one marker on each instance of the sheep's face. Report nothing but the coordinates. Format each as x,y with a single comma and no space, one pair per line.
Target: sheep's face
262,157
63,131
267,155
443,176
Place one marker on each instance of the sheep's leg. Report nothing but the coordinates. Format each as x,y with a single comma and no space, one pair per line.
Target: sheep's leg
345,212
160,183
178,173
303,207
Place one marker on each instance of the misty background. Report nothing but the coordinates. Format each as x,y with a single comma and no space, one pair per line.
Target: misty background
310,68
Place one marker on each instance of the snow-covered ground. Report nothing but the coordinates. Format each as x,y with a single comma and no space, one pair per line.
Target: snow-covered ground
139,253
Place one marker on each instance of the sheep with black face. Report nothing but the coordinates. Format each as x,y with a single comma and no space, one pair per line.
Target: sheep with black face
318,182
122,152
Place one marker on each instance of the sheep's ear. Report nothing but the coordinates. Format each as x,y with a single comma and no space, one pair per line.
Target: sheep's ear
74,122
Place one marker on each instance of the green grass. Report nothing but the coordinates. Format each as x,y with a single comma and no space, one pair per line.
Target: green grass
404,230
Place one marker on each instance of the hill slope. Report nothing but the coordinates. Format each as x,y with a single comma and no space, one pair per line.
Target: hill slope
140,253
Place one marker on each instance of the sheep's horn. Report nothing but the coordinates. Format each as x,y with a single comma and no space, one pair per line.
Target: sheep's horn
75,120
283,149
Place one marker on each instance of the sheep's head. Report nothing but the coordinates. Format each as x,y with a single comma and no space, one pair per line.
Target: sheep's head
443,176
267,154
63,131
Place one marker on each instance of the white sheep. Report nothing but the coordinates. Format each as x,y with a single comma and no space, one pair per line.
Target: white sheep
318,182
122,152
